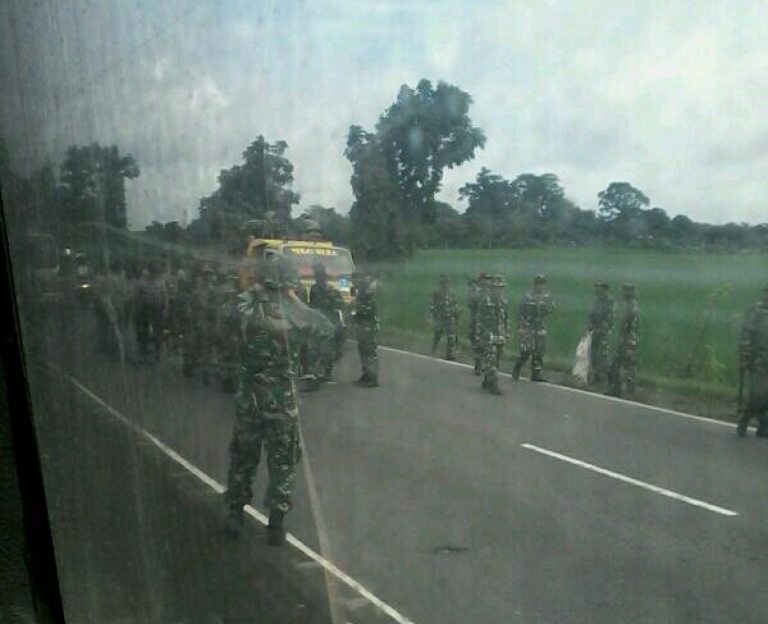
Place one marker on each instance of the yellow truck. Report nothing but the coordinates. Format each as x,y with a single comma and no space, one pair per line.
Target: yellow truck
305,254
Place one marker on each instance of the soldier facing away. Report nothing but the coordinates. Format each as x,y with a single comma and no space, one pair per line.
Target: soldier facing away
444,312
367,327
600,323
477,291
623,368
753,361
532,314
273,323
326,299
492,329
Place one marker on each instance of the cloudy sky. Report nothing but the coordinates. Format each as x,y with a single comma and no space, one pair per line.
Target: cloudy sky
670,96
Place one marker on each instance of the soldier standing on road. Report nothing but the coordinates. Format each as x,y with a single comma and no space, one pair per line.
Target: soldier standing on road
326,299
367,327
151,309
600,323
444,312
753,361
273,324
477,291
623,366
492,329
533,311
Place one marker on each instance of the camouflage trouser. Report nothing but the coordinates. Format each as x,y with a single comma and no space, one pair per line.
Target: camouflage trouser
447,327
489,361
599,364
623,369
533,344
280,435
757,401
367,344
320,356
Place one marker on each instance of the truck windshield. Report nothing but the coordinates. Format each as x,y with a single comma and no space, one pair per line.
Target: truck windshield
337,261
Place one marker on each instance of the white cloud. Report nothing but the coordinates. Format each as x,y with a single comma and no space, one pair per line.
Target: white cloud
669,96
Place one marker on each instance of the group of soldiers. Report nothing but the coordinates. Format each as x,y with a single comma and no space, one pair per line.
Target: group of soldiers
489,330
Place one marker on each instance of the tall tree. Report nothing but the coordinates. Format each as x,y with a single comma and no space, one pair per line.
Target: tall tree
621,201
259,188
93,184
376,223
425,131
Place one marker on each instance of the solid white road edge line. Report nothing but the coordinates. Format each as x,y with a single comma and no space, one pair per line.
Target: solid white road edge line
641,484
219,488
594,395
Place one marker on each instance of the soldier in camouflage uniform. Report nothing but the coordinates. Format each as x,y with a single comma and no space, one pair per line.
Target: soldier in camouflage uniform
623,366
367,328
600,323
753,360
533,311
491,329
273,323
326,299
477,291
444,312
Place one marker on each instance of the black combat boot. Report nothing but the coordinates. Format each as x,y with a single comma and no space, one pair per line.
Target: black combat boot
516,370
275,528
370,382
537,376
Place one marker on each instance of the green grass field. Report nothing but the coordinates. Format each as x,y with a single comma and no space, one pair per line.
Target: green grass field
674,293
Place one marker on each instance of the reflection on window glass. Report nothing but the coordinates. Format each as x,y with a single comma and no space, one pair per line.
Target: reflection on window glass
467,298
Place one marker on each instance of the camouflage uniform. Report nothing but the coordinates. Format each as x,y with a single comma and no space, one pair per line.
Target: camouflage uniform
753,356
475,295
533,311
600,323
445,316
273,324
623,366
367,326
326,299
491,329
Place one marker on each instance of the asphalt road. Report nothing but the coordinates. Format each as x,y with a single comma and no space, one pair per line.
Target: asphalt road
455,506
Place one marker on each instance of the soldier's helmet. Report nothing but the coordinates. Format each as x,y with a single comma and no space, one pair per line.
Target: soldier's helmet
628,290
539,280
601,285
497,281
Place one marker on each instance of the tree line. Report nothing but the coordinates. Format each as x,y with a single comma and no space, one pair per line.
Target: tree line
397,172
